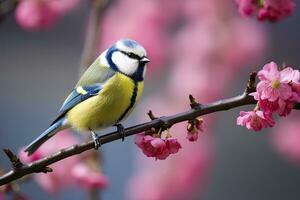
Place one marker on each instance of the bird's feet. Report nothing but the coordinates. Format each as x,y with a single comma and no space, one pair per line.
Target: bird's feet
96,140
121,131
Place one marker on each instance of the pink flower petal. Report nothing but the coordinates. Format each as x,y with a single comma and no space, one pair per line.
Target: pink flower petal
173,145
286,75
255,120
285,91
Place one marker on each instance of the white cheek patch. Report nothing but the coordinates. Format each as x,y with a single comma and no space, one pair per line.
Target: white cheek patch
125,64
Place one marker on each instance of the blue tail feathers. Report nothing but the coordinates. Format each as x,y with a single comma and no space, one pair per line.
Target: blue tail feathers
47,134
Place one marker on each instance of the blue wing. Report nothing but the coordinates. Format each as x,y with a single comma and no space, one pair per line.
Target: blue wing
78,95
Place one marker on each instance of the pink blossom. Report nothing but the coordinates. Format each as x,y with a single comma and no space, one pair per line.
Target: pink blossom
152,146
158,147
193,129
283,108
285,139
296,91
173,145
277,91
293,76
63,173
272,10
89,178
267,106
275,10
274,84
192,136
294,79
255,120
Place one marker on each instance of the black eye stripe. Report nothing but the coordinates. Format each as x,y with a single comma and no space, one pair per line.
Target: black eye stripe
131,55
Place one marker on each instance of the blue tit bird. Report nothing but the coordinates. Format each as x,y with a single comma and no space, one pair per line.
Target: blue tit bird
105,95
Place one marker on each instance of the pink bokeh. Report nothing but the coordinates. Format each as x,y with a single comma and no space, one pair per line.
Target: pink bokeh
34,15
67,172
285,139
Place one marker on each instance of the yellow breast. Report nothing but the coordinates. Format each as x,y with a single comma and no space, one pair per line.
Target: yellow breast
115,102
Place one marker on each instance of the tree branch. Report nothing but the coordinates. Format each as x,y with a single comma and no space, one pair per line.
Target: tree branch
162,122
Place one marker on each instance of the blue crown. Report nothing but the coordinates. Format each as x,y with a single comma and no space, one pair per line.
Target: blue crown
129,43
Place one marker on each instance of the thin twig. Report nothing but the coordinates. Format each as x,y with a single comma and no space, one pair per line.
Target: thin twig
13,158
193,102
151,115
251,83
93,34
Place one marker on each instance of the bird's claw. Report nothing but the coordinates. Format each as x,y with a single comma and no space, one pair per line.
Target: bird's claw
121,131
96,140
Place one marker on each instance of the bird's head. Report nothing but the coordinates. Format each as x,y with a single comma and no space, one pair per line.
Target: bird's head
128,57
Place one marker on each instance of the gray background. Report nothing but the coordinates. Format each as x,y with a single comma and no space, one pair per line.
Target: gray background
38,69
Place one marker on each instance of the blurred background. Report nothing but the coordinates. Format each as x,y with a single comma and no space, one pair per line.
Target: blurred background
204,48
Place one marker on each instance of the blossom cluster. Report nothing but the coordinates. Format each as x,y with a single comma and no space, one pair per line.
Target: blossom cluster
277,92
155,146
272,10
